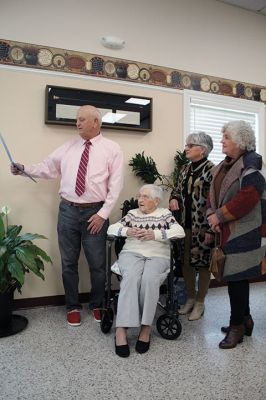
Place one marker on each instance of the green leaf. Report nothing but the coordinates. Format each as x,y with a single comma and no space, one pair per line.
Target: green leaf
180,160
39,263
3,250
145,168
31,236
27,238
4,277
2,269
18,255
16,269
13,231
35,269
2,228
42,254
27,256
1,266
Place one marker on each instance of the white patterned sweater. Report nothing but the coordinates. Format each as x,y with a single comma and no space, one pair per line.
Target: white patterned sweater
161,221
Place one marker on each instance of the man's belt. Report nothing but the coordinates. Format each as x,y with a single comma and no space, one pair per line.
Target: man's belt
83,205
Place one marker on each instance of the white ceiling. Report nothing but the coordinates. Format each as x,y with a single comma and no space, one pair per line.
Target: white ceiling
257,6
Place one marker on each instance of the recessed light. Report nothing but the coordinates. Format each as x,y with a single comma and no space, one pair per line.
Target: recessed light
136,100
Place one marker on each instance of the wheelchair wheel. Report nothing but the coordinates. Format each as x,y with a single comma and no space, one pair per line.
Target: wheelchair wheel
169,326
107,320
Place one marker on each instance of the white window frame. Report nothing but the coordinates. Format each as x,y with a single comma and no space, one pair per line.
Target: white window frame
226,102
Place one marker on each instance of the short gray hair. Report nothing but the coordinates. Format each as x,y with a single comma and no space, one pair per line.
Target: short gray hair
241,133
99,116
156,192
202,139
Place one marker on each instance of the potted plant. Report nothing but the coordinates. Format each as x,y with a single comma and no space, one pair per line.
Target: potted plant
146,169
18,256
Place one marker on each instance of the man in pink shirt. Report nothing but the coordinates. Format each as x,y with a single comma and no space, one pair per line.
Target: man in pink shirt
91,170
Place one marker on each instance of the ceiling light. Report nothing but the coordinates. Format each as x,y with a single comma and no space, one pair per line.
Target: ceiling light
135,100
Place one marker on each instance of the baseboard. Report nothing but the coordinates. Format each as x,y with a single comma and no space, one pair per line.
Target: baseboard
46,301
85,297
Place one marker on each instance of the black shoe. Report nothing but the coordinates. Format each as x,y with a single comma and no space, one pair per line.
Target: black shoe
248,324
122,351
142,347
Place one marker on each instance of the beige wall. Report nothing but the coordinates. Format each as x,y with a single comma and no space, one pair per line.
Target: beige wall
22,124
202,36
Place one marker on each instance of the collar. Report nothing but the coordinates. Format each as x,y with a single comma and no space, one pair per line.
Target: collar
196,164
94,140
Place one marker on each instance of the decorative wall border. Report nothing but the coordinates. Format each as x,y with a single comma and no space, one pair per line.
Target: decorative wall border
55,59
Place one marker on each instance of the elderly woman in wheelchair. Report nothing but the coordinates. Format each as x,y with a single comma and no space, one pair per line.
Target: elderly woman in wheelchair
144,263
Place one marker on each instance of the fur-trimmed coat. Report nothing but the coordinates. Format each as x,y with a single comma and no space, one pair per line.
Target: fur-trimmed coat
241,210
200,253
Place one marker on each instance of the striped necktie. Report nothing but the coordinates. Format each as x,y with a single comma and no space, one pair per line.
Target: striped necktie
81,175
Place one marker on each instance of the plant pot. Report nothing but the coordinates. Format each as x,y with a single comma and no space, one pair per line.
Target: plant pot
10,324
6,307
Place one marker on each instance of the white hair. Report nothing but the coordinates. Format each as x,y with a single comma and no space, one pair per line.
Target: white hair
155,191
99,116
241,133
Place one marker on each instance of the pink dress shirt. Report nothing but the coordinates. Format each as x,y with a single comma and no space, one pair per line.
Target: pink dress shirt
104,177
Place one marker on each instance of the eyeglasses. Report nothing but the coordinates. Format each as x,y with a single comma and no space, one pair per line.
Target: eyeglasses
190,145
143,196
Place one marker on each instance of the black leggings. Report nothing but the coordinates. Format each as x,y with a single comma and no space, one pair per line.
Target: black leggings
239,300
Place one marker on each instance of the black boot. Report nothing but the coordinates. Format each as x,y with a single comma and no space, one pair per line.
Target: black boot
248,324
233,337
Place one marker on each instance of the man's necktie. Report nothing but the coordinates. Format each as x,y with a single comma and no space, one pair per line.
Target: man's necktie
81,175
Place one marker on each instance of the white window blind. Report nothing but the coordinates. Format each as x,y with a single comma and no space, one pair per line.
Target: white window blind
208,113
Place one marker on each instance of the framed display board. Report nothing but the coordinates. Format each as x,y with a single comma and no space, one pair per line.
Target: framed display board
119,111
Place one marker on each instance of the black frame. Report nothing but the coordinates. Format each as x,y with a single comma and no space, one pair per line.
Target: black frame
55,95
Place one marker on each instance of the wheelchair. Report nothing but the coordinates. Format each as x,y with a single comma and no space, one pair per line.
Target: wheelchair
168,324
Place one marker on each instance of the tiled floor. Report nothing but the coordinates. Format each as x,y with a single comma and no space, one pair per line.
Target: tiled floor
53,361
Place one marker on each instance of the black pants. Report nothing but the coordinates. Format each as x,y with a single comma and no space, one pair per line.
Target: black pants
239,300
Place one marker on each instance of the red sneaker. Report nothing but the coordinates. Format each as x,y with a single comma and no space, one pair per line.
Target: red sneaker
97,314
73,318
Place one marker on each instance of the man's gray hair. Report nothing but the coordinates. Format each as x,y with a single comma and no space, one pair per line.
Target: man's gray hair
241,133
202,139
99,117
154,190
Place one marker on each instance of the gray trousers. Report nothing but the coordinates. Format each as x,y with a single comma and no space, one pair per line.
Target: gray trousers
139,288
72,233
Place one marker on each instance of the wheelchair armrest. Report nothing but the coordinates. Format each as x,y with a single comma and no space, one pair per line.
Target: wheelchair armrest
174,240
111,238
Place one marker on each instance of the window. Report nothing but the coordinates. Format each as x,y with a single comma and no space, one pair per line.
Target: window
209,112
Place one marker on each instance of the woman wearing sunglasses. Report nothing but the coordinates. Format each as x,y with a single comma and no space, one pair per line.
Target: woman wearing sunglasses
190,198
